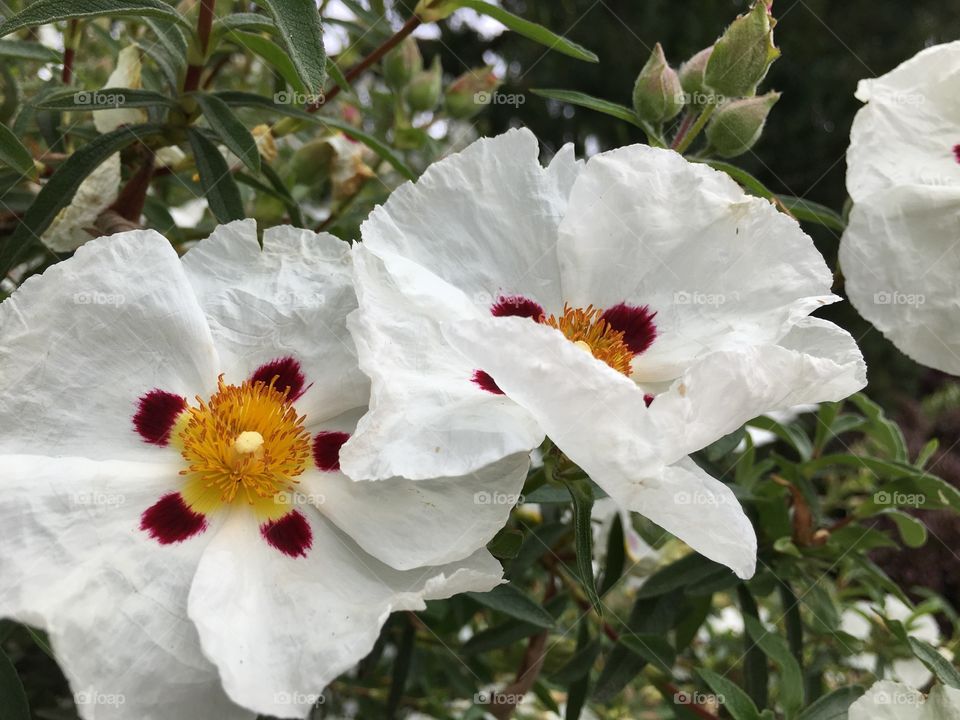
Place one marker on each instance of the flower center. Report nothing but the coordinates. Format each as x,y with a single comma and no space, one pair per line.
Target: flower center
245,445
587,329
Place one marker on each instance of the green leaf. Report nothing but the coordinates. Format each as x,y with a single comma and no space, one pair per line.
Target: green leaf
14,154
338,77
218,184
298,21
583,540
514,602
170,52
44,12
687,571
912,531
378,146
881,429
834,706
401,667
789,433
12,695
791,677
59,190
616,556
108,99
276,182
233,132
579,686
809,211
530,30
274,56
22,50
244,21
652,648
512,631
937,663
506,544
606,107
735,700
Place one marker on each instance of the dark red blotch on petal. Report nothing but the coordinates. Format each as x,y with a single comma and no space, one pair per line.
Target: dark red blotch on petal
291,534
169,520
326,450
157,411
486,382
647,399
956,152
636,324
288,374
516,306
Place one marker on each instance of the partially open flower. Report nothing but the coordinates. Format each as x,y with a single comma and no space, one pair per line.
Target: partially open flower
899,254
173,511
501,301
125,75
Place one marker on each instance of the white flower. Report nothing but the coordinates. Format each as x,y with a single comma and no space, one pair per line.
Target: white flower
172,510
462,274
887,700
900,253
70,228
125,75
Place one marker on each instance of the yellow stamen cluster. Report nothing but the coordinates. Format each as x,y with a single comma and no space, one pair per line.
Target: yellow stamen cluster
245,444
587,329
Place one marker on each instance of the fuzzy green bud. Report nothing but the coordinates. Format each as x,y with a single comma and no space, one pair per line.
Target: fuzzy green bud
743,54
435,10
423,92
402,63
691,77
311,163
737,125
471,92
657,94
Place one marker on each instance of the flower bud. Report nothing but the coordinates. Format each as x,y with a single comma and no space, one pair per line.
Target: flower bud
435,10
737,125
691,76
311,163
402,63
657,95
742,56
423,92
470,92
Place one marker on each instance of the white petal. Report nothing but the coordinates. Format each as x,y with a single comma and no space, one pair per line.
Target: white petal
80,344
408,524
598,418
96,193
485,220
113,600
887,700
280,629
427,417
720,268
907,131
901,258
815,362
289,300
125,75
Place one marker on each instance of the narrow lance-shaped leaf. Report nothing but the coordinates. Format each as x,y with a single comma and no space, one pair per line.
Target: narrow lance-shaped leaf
273,54
106,99
299,24
791,677
14,154
44,12
937,663
583,539
27,51
621,112
218,184
729,694
233,132
530,30
515,603
834,706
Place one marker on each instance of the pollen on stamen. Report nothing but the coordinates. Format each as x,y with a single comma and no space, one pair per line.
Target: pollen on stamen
587,327
284,373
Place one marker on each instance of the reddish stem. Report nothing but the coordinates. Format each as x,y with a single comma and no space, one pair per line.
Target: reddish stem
204,25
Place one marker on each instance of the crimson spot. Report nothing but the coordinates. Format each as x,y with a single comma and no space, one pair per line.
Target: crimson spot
326,450
486,382
516,306
636,324
956,152
288,376
169,520
291,534
156,414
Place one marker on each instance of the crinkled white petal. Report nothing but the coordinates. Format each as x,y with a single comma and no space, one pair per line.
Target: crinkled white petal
280,629
900,256
720,268
598,418
887,700
125,75
81,343
113,600
427,417
289,299
485,220
409,524
816,362
908,129
69,229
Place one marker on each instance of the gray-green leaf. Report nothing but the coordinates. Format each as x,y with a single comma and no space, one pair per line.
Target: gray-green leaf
299,24
233,132
44,12
218,184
